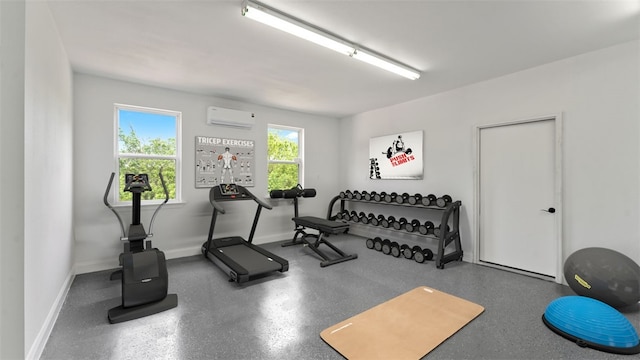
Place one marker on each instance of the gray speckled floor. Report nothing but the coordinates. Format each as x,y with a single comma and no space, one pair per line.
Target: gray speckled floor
281,316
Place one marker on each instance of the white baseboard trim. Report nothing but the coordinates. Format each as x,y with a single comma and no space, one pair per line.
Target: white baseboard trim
184,252
35,352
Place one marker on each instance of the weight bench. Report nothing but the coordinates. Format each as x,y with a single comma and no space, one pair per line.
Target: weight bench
324,227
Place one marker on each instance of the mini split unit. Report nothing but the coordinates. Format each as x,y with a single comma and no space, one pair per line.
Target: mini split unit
229,117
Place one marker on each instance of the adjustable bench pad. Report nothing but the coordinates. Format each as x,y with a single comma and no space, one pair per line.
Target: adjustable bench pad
322,225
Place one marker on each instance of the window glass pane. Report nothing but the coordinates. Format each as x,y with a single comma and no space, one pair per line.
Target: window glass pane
283,144
146,133
150,167
282,176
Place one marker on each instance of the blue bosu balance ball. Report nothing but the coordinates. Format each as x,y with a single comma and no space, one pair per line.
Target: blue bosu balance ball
605,275
592,323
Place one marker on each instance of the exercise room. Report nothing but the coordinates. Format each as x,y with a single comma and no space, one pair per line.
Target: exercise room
319,179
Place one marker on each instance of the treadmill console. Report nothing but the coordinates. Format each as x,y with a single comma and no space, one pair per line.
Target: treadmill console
229,189
228,192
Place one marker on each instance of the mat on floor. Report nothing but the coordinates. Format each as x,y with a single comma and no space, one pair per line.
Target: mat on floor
406,327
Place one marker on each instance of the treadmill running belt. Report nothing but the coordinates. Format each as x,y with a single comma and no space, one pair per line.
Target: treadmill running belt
251,260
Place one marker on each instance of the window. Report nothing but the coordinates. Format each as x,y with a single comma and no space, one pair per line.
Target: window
147,141
285,149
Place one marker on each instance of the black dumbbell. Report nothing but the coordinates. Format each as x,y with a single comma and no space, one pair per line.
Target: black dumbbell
408,252
349,194
429,200
388,222
415,199
426,228
370,243
357,195
343,194
366,196
443,201
404,198
339,215
363,217
421,256
353,216
395,249
400,223
377,243
372,219
386,246
412,226
437,231
404,248
388,198
379,197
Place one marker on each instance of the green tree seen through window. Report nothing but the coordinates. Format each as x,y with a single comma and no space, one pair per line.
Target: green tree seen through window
284,158
147,154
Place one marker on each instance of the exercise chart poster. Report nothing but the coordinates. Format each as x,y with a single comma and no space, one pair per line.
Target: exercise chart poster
224,161
396,156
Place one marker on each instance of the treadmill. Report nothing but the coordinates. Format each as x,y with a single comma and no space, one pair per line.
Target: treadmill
237,257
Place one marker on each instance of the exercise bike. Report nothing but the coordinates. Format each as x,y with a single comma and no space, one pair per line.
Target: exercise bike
143,270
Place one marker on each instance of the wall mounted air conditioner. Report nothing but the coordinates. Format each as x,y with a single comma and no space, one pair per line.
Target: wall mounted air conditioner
230,117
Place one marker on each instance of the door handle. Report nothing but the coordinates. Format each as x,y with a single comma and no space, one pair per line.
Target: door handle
549,210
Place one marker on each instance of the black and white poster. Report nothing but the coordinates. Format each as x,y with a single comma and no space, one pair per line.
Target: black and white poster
396,156
224,161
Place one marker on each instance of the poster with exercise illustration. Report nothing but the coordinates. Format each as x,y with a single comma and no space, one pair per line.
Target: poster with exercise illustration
396,156
224,161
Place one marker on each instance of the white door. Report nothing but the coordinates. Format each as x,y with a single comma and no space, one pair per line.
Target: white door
518,182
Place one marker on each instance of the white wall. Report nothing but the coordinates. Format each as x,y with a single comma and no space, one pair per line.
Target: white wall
598,94
35,202
12,217
180,230
48,176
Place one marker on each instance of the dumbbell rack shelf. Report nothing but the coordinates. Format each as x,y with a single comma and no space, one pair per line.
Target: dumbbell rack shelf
445,237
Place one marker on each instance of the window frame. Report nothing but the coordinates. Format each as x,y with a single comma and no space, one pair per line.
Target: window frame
177,157
297,161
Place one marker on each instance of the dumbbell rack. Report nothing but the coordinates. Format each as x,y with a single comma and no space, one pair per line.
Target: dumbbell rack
445,237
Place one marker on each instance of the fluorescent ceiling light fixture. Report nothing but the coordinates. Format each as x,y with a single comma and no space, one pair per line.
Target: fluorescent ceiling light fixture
374,60
281,21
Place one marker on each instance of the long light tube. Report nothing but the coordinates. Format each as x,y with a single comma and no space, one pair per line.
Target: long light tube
374,60
282,22
288,24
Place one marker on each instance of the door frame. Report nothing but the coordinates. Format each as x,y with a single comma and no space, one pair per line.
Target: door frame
558,121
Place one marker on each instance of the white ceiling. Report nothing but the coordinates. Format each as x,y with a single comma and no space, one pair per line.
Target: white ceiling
207,47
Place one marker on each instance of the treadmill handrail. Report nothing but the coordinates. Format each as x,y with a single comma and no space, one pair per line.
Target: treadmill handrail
243,194
216,205
260,202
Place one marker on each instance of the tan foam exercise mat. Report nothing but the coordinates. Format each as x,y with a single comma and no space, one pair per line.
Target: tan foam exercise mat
406,327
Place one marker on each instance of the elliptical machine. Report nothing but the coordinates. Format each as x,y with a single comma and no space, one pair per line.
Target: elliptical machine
144,270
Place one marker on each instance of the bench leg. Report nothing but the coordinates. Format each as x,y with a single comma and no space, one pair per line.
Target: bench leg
295,241
315,247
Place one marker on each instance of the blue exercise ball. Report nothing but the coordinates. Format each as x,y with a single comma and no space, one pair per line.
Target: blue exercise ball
605,275
591,323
